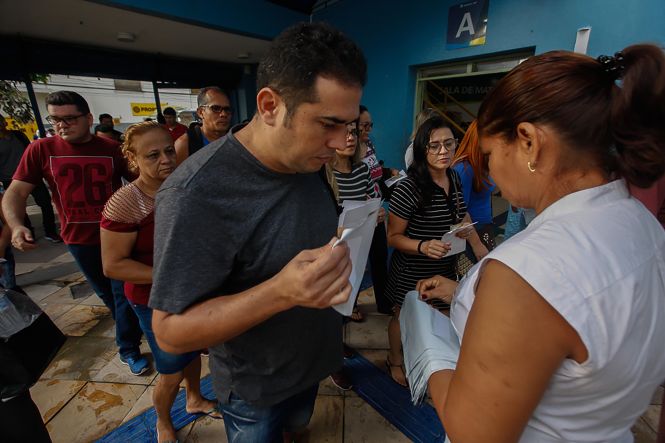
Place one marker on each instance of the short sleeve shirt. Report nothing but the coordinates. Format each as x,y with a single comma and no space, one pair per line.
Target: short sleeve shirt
130,210
176,131
355,185
224,223
81,176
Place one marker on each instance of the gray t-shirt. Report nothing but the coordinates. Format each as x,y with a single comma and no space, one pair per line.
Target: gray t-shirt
225,223
11,151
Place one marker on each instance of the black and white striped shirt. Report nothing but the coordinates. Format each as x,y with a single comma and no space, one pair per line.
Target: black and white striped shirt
355,185
426,223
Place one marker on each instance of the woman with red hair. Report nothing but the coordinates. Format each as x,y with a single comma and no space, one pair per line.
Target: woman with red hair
477,186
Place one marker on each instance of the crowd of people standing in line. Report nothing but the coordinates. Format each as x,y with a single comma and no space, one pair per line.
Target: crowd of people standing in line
256,275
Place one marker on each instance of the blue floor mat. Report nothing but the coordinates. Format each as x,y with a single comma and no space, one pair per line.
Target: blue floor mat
419,423
141,429
393,402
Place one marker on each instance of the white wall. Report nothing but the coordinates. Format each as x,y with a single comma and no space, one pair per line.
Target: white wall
103,98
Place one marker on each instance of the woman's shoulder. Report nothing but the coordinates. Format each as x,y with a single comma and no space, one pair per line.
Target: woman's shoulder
406,185
128,205
463,168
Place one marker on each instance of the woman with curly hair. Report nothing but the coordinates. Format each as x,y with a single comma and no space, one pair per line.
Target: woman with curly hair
127,230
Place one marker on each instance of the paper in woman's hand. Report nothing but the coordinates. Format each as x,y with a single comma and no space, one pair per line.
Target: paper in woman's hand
457,244
429,342
393,180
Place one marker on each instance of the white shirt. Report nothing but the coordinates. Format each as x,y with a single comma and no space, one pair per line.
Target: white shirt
598,257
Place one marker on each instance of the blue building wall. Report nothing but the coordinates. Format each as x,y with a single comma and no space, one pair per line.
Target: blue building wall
398,37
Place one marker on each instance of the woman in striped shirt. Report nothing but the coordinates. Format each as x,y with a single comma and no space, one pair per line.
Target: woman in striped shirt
423,207
353,179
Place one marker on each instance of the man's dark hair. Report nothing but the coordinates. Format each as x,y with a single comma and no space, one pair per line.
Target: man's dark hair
304,52
169,111
106,129
62,98
102,116
202,98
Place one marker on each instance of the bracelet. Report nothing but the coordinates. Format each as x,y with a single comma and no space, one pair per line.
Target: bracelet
419,245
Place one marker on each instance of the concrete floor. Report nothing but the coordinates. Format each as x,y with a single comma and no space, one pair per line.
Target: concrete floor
86,392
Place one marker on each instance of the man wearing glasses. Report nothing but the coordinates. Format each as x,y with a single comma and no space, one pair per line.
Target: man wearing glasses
83,171
215,113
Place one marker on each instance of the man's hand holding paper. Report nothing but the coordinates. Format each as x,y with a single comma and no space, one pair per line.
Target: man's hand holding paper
316,278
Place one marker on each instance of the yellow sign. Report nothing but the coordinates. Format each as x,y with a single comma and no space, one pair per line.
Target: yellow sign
28,129
145,109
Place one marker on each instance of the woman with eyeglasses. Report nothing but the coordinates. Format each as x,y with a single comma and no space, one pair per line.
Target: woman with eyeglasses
353,180
424,206
127,230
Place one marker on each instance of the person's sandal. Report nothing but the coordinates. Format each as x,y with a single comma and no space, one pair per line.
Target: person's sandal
390,367
357,316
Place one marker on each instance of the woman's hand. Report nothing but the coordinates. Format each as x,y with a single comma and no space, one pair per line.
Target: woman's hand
435,248
437,287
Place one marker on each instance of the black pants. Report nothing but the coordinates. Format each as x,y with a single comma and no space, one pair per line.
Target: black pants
20,421
43,200
378,262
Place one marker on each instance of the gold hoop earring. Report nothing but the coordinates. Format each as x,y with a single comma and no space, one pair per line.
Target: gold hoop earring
531,168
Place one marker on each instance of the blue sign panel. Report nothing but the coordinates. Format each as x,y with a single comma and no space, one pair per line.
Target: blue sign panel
467,24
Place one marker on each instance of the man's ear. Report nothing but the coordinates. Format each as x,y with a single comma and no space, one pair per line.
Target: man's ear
268,105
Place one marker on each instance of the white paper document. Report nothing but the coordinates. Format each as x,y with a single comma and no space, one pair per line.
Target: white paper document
358,220
429,343
393,180
457,244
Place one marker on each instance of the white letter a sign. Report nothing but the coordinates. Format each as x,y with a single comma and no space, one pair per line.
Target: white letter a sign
466,25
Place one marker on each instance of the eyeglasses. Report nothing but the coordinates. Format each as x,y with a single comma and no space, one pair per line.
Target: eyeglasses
218,109
435,147
352,132
68,120
366,126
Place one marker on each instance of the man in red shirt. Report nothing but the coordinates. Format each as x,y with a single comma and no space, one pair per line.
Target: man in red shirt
83,171
176,129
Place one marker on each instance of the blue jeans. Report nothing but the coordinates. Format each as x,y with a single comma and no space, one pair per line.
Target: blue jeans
112,292
165,362
247,423
8,276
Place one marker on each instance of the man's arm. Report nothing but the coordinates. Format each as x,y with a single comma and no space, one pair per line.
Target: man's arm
182,148
13,208
317,278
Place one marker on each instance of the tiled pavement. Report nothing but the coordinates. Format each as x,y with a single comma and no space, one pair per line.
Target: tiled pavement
86,392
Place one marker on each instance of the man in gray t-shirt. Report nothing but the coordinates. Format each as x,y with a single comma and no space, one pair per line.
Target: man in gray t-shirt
244,263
